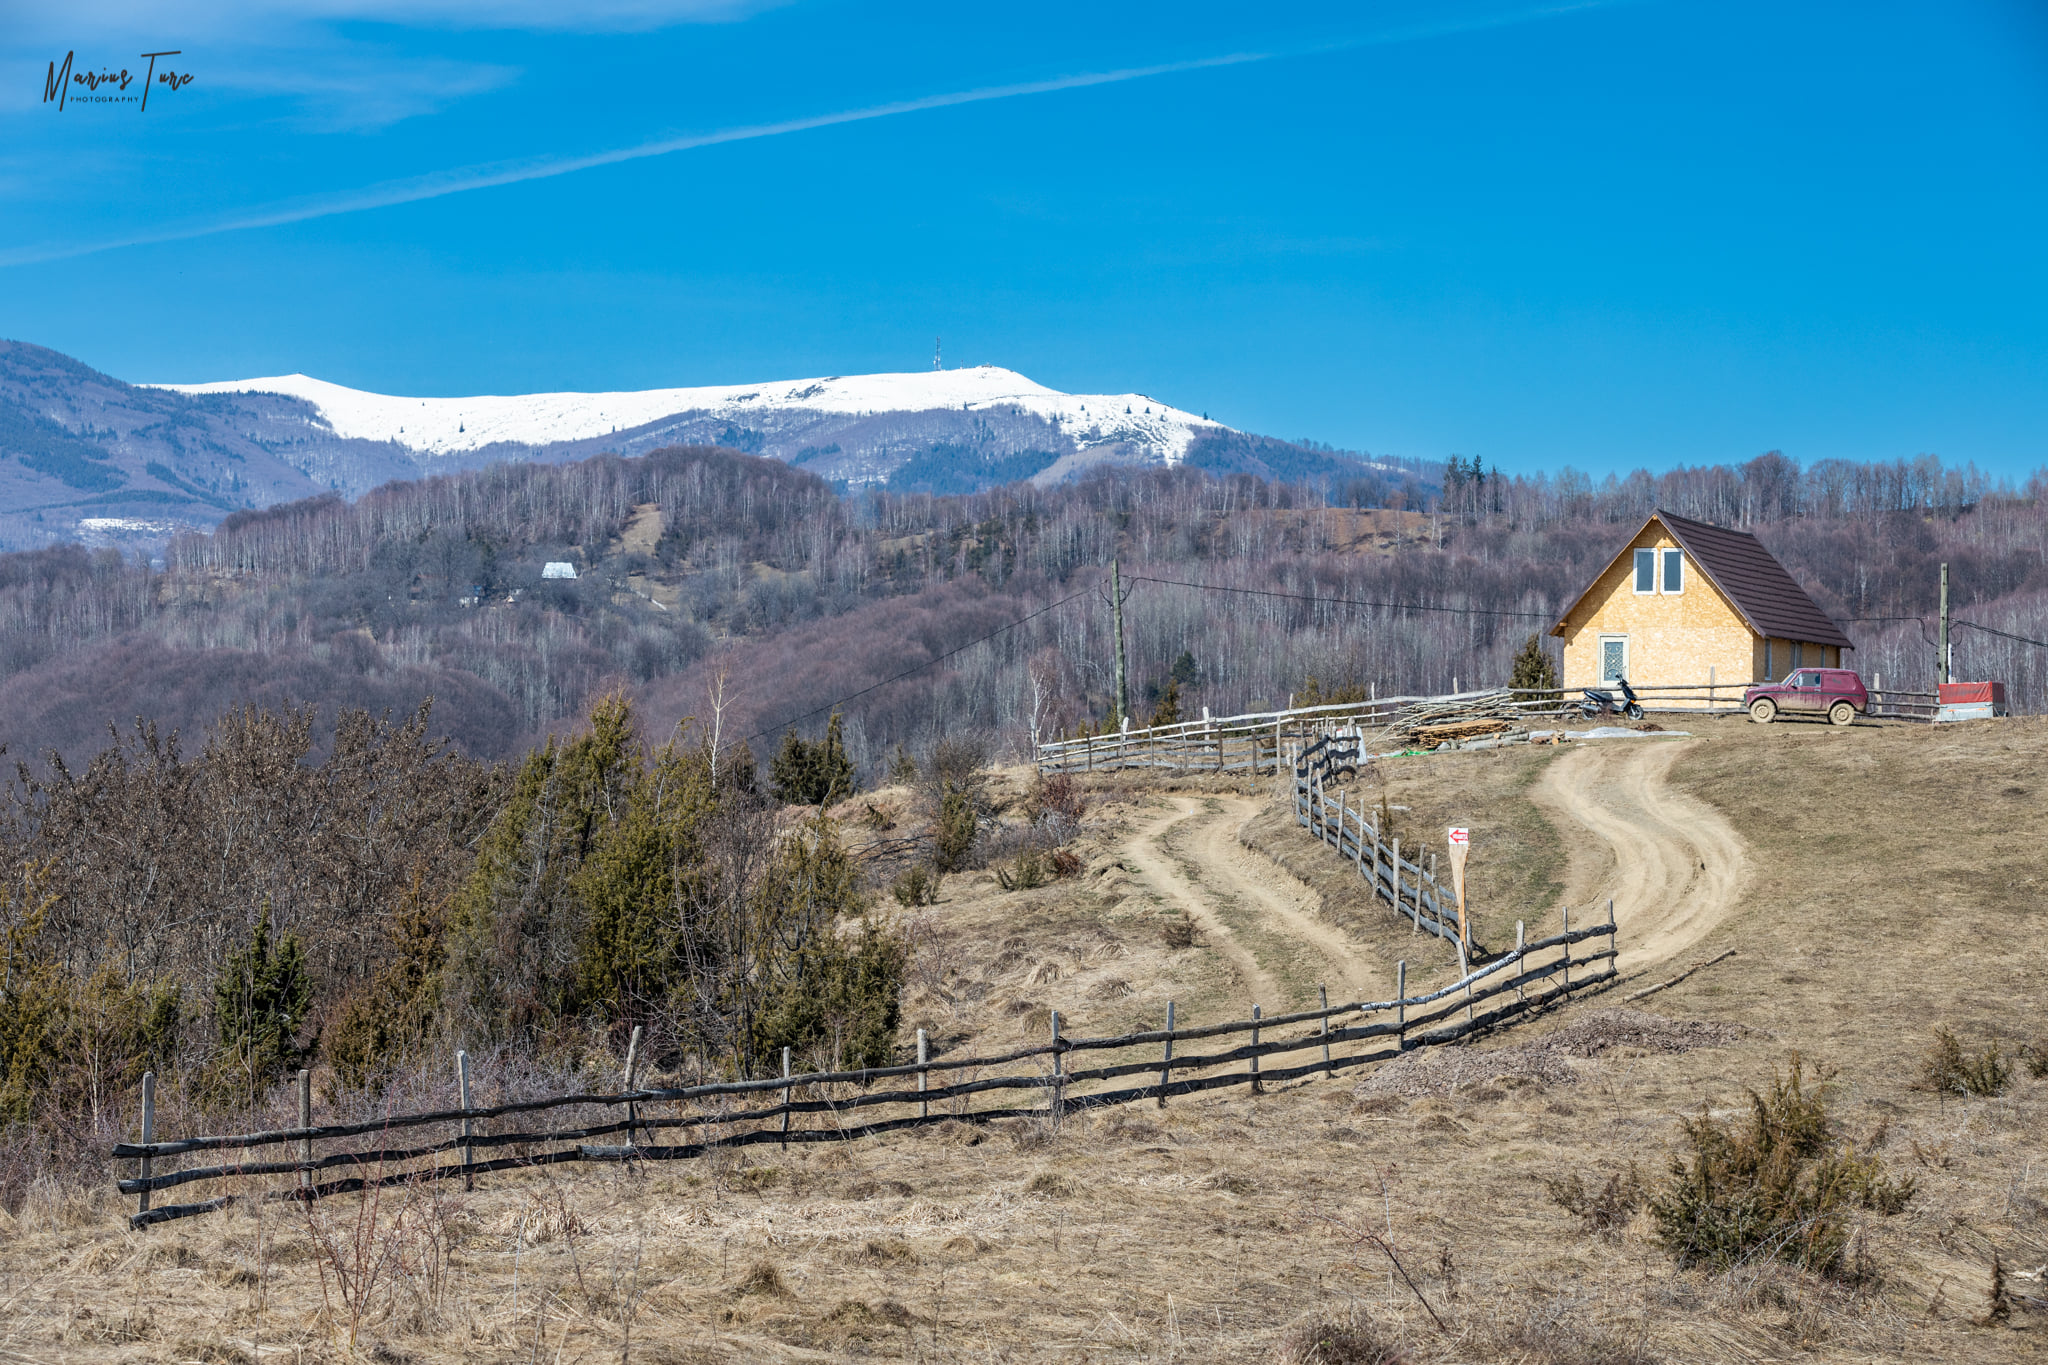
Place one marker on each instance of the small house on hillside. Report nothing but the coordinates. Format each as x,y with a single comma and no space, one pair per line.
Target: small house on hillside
1687,603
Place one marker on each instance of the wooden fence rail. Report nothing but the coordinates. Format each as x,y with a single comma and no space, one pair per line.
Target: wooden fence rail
1532,976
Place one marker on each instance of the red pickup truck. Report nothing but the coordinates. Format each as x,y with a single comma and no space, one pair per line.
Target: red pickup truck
1836,693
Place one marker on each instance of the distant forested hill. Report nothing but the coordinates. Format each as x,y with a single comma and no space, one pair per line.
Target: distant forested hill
698,564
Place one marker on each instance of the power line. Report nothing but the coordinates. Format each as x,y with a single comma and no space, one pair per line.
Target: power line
919,668
2003,634
1346,601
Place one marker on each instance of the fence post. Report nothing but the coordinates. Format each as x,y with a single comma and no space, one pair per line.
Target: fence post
1166,1063
1521,967
632,1067
1465,971
1401,1006
148,1135
1613,963
1258,1086
305,1121
787,1092
1323,994
1397,886
1059,1072
1567,954
924,1106
462,1090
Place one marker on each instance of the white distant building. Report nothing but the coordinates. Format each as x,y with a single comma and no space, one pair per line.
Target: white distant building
557,568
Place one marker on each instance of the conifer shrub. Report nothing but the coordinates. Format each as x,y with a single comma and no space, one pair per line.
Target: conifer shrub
957,831
260,1003
916,886
841,1001
1028,873
1948,1070
1779,1182
812,772
1167,712
387,1021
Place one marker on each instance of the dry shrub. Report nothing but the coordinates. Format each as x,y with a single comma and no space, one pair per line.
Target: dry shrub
888,1252
753,1179
878,1189
1178,932
1050,1184
762,1278
1779,1183
1605,1210
1056,803
1948,1070
1553,1332
2035,1055
1350,1340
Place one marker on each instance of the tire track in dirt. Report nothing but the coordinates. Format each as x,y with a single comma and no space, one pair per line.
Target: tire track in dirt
1674,865
1193,859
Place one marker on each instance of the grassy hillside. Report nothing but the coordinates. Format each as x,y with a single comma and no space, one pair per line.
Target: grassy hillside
1220,1228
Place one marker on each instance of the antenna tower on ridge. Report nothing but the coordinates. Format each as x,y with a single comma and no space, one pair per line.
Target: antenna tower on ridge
935,355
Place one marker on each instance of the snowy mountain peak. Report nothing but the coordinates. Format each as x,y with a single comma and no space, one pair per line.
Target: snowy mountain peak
861,417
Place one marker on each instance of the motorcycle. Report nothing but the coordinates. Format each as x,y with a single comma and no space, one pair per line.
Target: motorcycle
1600,702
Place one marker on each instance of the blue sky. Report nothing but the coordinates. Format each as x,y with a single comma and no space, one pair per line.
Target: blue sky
1652,232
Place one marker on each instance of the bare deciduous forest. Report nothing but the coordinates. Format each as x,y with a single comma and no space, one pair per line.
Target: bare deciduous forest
697,565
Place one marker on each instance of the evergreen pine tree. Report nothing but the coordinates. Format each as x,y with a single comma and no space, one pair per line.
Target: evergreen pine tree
1534,668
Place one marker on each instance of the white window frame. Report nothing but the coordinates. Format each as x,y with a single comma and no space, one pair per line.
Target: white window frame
1664,562
1642,591
1600,660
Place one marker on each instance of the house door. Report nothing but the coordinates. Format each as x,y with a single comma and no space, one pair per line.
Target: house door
1613,658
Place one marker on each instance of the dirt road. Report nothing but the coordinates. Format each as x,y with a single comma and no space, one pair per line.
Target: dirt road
1259,920
1673,865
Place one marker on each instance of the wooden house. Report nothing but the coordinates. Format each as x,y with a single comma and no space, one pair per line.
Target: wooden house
1688,603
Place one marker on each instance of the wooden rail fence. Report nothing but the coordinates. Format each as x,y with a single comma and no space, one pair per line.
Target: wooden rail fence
1261,741
838,1105
1405,884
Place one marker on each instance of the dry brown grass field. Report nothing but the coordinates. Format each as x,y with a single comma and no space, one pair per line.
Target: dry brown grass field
1876,883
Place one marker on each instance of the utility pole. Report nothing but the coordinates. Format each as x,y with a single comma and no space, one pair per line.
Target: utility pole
1116,613
1940,664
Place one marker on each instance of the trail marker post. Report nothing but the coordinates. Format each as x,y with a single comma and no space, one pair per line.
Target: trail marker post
1461,844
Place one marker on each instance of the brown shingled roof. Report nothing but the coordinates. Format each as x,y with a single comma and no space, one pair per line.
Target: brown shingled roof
1751,578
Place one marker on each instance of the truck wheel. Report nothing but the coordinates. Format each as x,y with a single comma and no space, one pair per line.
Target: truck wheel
1763,710
1841,713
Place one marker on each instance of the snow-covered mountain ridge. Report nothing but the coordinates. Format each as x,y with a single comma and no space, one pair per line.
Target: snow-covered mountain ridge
444,427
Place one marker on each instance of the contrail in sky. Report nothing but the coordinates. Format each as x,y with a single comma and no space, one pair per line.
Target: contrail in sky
460,181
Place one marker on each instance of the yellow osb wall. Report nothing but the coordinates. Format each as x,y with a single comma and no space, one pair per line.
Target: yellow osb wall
1683,638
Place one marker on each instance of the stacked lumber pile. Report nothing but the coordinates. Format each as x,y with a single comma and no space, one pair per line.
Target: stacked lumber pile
1454,718
1459,729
